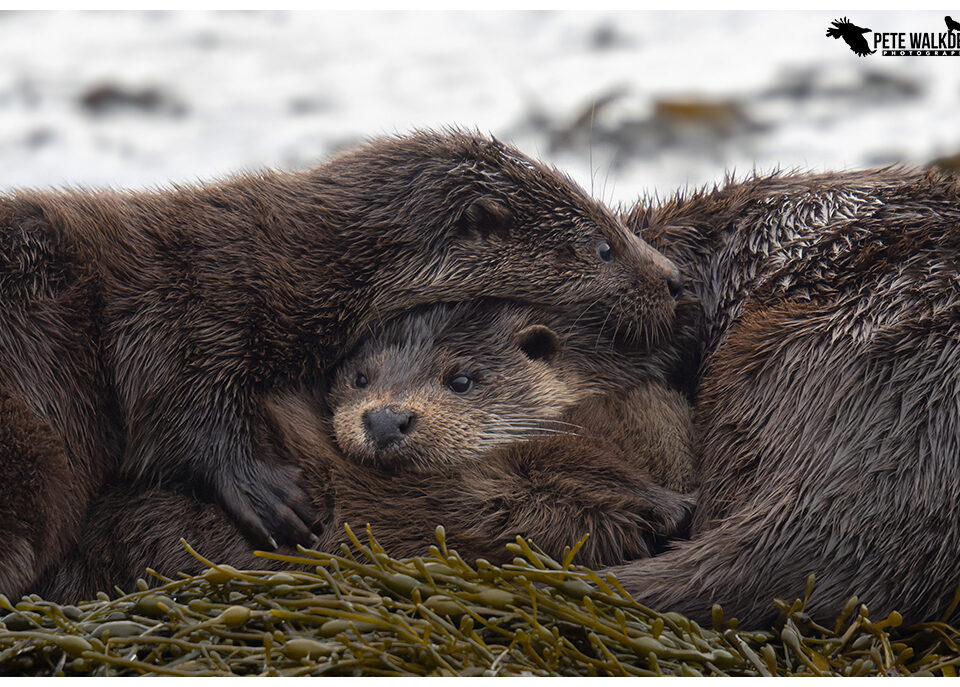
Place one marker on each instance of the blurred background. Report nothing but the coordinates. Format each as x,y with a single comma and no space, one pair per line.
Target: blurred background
627,103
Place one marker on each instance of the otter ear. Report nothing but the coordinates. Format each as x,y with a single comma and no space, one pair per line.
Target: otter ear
538,342
486,215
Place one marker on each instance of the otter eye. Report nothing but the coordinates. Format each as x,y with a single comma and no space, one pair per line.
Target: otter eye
360,381
460,384
604,251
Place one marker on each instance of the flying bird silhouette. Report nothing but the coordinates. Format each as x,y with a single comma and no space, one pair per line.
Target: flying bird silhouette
852,35
952,25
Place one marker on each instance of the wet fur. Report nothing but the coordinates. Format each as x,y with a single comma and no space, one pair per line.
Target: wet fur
829,402
147,327
35,479
617,478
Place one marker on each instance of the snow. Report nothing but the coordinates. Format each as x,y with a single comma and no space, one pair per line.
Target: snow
240,91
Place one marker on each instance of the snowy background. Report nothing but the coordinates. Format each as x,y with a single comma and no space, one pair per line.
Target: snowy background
627,103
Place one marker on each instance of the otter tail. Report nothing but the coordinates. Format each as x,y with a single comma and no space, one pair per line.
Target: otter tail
728,566
767,551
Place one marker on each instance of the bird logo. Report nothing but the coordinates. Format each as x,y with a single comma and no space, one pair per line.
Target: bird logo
852,35
952,24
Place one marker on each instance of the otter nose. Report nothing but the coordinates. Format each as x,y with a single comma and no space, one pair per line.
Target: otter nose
672,272
386,426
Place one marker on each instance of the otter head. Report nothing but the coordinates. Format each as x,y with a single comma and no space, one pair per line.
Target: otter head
446,385
459,216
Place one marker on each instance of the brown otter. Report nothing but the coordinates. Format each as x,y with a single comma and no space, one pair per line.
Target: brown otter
829,404
443,387
540,443
146,327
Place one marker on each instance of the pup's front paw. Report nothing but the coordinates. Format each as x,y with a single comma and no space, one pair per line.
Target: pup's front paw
267,502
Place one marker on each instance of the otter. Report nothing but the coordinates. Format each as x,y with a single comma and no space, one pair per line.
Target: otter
440,388
558,432
147,327
828,407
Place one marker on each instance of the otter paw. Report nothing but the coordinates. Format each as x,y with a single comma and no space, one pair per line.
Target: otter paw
266,501
670,512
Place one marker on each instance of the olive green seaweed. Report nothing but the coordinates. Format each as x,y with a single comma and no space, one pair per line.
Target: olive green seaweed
362,612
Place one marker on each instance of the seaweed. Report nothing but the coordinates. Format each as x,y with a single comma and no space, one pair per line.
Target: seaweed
362,612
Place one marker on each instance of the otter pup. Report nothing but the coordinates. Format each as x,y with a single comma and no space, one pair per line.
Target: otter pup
557,432
531,423
147,327
440,388
829,400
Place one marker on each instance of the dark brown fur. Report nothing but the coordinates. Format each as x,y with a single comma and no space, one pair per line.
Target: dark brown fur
35,480
829,406
146,328
525,478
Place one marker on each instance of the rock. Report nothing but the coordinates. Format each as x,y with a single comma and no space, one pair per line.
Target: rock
856,84
111,98
608,37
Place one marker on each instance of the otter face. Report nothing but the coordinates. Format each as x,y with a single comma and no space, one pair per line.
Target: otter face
491,222
445,386
576,256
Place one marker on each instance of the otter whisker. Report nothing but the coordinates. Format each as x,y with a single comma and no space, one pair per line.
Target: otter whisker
545,432
616,328
536,431
634,331
559,426
540,430
603,326
537,420
584,312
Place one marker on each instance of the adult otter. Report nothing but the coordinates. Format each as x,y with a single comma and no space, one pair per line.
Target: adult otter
829,406
146,327
489,462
